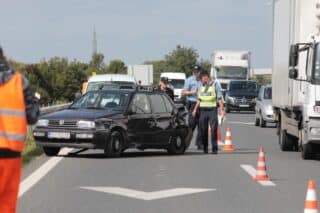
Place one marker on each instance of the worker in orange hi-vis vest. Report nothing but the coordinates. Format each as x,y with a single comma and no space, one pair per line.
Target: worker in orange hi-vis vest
18,107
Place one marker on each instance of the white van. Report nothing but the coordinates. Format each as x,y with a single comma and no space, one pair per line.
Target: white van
98,81
176,79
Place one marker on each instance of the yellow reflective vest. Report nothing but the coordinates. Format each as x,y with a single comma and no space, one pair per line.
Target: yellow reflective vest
208,96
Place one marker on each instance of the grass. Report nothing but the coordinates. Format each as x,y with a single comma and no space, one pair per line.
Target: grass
31,150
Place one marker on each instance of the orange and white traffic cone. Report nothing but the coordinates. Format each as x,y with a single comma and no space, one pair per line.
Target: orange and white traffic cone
228,141
219,139
261,173
311,204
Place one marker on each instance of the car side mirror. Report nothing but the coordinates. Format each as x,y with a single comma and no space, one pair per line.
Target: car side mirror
294,55
293,73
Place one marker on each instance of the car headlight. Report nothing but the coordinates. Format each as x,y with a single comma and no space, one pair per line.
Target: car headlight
86,124
231,99
42,123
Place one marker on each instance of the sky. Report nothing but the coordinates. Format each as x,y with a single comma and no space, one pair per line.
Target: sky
134,30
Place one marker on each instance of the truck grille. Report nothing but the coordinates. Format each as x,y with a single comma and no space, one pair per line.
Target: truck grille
62,124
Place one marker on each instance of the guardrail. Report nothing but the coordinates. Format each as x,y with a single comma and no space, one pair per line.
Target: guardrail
46,110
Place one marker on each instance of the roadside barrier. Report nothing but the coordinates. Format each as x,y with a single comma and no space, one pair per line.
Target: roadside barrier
261,171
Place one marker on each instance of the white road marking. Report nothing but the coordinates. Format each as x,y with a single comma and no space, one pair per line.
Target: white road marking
32,179
252,172
147,196
238,122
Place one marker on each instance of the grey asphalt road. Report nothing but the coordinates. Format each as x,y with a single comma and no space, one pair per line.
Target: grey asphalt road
235,191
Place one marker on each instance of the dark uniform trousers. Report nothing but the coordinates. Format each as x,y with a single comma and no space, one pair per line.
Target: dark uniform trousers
193,122
208,115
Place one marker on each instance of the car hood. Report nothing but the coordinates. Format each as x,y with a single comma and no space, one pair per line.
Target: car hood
242,94
267,103
76,114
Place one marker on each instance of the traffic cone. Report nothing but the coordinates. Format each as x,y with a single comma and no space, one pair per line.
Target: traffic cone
261,173
228,141
311,204
219,139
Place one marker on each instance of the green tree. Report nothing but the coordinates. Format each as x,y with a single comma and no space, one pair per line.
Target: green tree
205,65
117,67
182,59
96,64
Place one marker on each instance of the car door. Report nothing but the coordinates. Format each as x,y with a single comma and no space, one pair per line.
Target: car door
163,119
140,119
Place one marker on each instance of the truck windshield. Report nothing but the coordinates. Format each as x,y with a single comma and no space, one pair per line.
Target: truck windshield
246,86
177,83
316,66
267,93
232,73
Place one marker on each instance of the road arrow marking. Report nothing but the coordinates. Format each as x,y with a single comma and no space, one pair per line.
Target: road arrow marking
147,196
252,172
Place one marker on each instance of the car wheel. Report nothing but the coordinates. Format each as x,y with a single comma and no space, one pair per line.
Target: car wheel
262,122
286,142
114,146
306,152
51,151
227,108
257,121
177,145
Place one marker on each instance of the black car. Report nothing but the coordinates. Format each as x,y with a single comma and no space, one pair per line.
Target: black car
114,120
241,95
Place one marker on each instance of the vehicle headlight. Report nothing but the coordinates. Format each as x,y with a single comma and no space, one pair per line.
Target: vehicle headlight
42,123
86,124
231,99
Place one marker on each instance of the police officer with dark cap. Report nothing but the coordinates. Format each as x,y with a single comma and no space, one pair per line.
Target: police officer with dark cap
190,90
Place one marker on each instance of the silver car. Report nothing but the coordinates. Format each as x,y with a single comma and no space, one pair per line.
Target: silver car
264,110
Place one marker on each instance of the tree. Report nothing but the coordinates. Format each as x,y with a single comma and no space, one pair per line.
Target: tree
182,59
117,67
205,65
96,63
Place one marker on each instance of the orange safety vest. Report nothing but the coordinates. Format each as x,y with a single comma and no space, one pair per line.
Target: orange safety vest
13,122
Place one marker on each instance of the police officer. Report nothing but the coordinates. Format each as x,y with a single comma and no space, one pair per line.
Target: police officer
18,107
209,96
191,87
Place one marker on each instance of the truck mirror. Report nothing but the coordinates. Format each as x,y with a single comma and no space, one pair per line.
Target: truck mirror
294,55
293,73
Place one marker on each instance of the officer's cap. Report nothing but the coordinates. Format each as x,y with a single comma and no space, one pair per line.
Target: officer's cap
196,69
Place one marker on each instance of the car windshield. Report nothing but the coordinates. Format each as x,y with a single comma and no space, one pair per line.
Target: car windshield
267,93
246,86
92,86
102,100
177,83
232,73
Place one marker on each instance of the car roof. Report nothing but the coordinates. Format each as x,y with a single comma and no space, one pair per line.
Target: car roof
112,77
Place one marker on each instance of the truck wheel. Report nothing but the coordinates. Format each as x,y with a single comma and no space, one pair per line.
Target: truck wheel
51,151
285,141
306,151
114,146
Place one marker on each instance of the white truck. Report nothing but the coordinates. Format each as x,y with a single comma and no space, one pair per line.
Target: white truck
296,75
142,73
230,65
176,80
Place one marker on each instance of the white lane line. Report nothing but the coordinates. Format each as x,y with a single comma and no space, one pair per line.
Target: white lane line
252,172
238,122
32,179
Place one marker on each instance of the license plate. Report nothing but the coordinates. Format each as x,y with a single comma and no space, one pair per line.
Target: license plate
244,105
59,135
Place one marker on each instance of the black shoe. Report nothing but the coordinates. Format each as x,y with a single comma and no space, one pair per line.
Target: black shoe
214,152
205,150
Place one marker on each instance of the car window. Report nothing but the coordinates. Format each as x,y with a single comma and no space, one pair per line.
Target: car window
141,104
167,103
267,93
157,104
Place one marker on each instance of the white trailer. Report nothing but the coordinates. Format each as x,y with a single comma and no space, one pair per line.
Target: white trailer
230,65
296,74
142,73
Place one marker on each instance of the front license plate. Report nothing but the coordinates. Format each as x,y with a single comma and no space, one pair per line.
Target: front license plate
244,105
59,135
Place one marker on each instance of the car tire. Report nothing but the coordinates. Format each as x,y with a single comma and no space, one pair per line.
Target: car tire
227,108
306,151
257,121
51,151
177,145
286,142
114,146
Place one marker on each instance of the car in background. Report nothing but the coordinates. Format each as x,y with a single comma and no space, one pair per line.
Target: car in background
96,82
241,95
176,80
115,120
264,109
